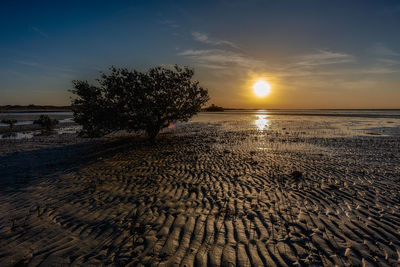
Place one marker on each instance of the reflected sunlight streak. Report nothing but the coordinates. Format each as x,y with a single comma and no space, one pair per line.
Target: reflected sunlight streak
262,122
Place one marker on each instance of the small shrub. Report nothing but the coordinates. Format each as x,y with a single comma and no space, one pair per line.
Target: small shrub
10,122
46,122
9,135
214,108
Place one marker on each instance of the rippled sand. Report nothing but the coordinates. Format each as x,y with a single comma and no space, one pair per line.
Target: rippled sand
205,194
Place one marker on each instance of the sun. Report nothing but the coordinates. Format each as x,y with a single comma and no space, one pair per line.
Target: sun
261,88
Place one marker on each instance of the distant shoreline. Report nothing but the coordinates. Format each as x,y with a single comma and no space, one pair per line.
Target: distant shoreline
50,108
383,109
34,109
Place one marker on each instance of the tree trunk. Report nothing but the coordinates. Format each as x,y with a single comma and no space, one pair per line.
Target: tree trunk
152,133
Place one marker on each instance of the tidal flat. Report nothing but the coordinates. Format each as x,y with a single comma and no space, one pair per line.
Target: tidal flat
225,189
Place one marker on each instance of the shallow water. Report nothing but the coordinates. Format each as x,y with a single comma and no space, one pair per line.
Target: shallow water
19,135
328,123
361,123
36,114
31,134
29,117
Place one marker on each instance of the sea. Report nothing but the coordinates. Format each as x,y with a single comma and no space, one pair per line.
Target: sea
331,122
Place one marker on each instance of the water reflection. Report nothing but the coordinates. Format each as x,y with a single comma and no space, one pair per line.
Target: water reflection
262,122
31,134
20,135
28,122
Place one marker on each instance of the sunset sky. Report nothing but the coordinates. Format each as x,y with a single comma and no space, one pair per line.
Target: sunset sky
314,54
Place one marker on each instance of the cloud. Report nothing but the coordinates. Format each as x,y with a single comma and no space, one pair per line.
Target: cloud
382,50
40,32
220,59
323,57
388,62
203,38
379,70
30,64
383,66
44,67
223,60
220,56
311,67
170,23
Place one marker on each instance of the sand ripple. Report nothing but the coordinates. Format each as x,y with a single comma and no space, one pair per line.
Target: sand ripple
204,198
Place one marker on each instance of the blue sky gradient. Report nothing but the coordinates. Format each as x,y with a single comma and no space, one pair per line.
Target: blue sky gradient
315,54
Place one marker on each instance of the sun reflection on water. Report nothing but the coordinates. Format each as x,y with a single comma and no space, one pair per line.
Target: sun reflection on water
262,122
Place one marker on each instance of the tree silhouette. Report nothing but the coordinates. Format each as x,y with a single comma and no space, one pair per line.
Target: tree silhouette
214,108
46,122
10,122
137,101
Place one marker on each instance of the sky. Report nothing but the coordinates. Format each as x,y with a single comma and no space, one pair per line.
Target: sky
314,54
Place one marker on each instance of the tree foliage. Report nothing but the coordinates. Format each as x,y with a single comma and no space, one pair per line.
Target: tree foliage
137,101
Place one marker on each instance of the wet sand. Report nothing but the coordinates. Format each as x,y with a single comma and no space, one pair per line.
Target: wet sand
202,195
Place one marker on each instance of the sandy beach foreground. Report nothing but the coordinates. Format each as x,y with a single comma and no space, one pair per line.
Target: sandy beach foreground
201,195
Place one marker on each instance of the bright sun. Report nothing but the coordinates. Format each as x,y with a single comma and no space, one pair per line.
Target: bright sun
261,88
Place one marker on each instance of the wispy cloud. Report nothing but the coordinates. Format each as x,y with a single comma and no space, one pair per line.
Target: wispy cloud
204,38
382,50
44,67
170,23
27,63
314,66
388,62
36,29
383,66
220,59
323,57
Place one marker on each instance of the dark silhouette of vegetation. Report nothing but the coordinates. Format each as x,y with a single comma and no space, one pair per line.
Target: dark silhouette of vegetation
9,135
137,101
10,122
214,108
33,108
46,123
